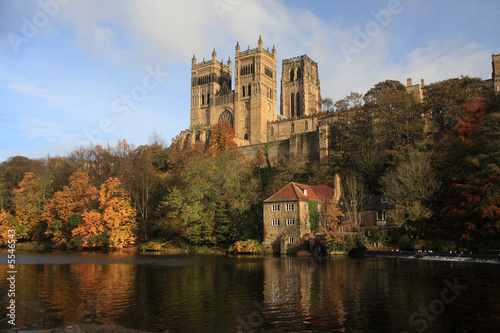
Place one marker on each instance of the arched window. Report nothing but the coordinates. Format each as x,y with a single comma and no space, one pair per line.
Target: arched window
208,135
292,128
226,117
198,133
272,131
306,126
246,137
299,74
291,74
244,87
202,99
292,106
249,89
298,105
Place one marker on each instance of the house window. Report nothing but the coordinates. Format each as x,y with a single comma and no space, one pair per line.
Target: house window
361,216
275,208
307,206
307,221
275,222
383,200
381,216
354,203
290,240
290,221
289,206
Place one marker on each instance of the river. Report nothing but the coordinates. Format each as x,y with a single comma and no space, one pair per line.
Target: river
197,293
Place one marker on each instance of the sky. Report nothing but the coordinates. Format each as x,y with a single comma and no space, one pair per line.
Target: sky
81,72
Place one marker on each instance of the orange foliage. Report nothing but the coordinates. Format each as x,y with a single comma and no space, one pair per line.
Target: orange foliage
75,199
222,138
7,222
118,216
474,110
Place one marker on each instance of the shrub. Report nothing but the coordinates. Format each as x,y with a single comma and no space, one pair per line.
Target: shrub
247,246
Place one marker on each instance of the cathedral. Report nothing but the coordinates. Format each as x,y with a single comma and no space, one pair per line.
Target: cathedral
251,108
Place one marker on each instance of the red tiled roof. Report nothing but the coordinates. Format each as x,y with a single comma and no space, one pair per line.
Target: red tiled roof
301,191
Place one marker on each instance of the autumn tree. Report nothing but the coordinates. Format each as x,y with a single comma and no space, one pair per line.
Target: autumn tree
64,210
118,216
7,222
222,138
28,201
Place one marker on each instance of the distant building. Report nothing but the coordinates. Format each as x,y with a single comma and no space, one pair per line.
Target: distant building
373,212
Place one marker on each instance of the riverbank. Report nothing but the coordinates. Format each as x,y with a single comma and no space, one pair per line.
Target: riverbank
458,257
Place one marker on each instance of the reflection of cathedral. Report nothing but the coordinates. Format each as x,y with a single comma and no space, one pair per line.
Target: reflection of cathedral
251,108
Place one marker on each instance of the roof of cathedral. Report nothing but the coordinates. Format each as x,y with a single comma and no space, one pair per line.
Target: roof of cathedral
296,191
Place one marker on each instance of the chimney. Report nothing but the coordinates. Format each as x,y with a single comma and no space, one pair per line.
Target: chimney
336,188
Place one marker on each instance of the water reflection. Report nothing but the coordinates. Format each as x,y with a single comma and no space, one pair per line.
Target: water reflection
222,294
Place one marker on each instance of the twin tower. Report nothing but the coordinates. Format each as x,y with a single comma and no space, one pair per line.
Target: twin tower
252,106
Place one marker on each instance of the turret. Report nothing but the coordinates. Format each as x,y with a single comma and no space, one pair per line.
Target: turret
260,44
193,61
237,48
214,56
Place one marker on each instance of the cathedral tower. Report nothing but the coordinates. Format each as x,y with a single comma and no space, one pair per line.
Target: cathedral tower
255,88
300,88
207,79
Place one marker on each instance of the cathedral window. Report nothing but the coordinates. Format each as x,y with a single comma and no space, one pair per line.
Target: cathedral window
249,89
226,117
292,128
246,136
292,105
208,135
292,73
244,91
306,126
198,134
202,99
299,74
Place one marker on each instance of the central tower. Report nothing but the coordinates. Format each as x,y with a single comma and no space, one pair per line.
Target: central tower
255,88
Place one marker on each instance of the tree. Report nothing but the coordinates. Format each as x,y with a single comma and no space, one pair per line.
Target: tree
353,192
222,138
118,216
7,222
410,188
64,210
331,215
314,220
28,201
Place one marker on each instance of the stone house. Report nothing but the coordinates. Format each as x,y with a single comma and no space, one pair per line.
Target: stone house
286,214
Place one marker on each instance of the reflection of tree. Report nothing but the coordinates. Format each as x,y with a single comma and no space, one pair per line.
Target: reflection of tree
85,292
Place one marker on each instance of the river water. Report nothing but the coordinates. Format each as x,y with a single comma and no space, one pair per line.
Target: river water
195,293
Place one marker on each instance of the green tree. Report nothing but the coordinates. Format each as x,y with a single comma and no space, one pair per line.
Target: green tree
410,187
314,220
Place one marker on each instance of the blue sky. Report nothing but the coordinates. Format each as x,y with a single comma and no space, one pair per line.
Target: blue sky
75,72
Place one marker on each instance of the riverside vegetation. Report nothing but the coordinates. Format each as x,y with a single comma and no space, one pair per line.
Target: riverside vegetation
437,162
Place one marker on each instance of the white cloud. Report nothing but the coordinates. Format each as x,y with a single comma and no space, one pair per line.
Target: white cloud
35,91
33,128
